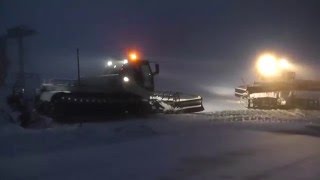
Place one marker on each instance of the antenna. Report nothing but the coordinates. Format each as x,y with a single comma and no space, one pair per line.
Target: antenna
78,61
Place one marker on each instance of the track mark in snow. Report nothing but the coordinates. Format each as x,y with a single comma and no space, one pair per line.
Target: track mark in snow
275,116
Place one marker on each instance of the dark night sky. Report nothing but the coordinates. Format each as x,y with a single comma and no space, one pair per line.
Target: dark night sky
215,41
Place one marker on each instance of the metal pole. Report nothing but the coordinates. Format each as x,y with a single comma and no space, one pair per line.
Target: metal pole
78,66
3,60
78,62
21,60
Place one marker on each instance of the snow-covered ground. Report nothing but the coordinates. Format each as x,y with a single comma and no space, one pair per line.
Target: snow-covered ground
229,144
218,145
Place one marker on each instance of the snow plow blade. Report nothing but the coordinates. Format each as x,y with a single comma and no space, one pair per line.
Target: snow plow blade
176,102
240,91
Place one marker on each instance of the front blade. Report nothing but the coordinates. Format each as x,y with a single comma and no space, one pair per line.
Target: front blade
175,102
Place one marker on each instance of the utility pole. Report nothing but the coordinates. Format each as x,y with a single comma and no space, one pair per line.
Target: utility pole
78,61
3,59
19,33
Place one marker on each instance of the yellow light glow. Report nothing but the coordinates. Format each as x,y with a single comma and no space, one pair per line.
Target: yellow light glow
267,65
284,64
133,56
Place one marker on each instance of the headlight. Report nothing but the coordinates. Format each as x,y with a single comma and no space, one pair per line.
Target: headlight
126,79
109,63
283,102
284,64
267,65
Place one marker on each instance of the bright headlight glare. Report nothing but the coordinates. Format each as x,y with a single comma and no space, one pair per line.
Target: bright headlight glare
267,65
284,64
109,63
126,79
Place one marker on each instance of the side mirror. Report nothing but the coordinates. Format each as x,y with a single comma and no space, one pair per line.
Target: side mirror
157,69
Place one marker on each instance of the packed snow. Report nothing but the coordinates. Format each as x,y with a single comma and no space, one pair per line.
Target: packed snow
229,144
